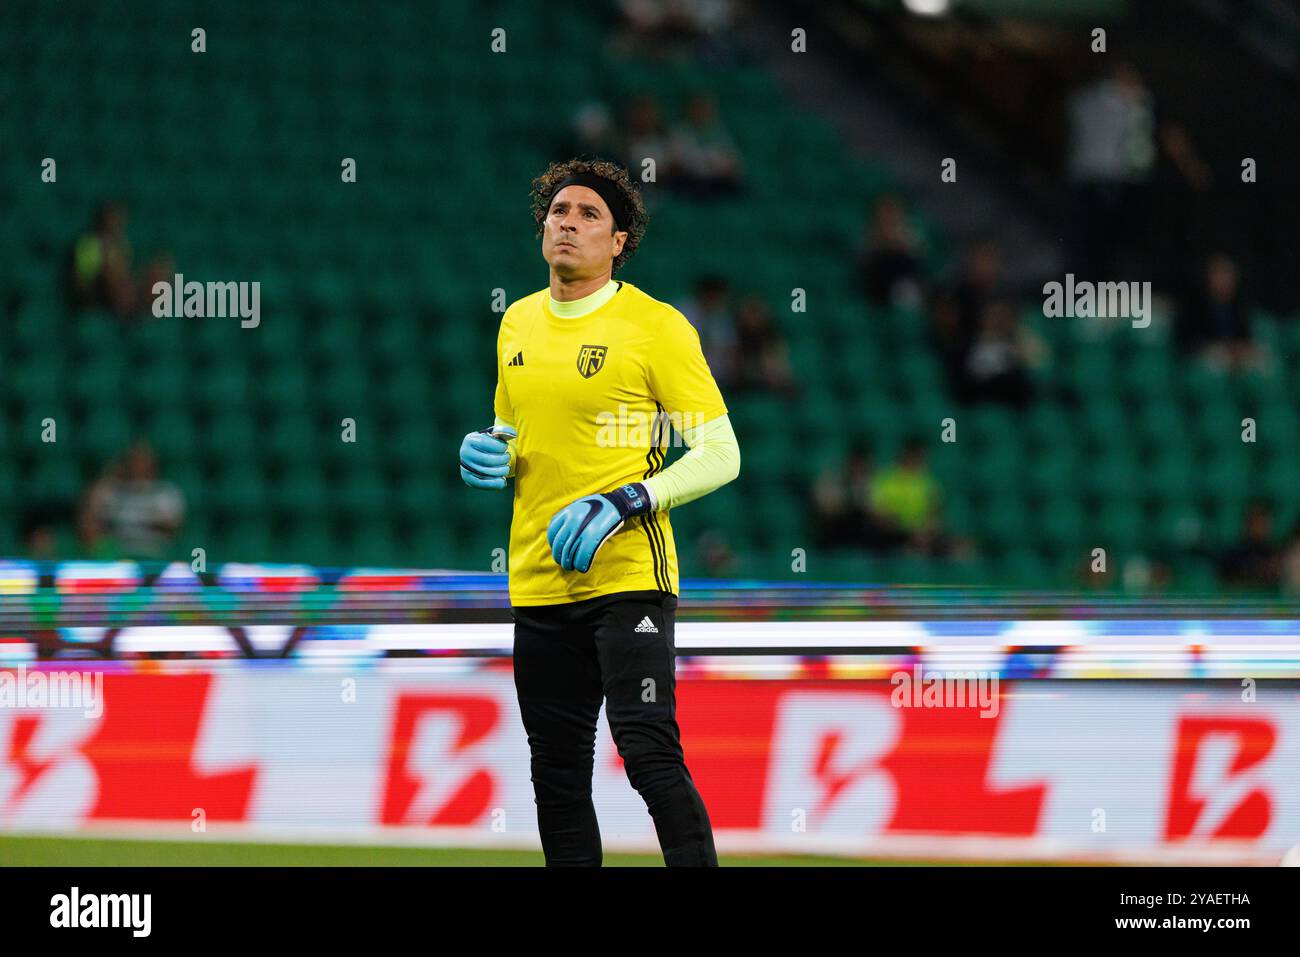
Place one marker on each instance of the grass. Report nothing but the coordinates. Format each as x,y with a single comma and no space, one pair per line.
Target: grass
93,852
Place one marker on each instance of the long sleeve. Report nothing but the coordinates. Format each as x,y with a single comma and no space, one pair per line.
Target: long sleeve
712,461
502,407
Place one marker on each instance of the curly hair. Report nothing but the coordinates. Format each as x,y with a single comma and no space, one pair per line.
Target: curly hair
556,173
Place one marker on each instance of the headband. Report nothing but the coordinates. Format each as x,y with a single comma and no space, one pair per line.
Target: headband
603,188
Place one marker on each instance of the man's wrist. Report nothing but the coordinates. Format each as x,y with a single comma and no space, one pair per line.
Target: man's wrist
631,499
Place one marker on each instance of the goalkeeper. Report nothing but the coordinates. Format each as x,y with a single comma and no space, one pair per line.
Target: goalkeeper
591,375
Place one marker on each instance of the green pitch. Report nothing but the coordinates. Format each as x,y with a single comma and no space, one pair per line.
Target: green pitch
83,852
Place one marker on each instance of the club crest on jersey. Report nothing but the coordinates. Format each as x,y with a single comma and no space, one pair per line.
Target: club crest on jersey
591,359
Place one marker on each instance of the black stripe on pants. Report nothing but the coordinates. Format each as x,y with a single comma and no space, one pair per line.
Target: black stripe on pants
567,659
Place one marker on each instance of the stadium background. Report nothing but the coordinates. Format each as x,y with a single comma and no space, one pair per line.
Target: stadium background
377,296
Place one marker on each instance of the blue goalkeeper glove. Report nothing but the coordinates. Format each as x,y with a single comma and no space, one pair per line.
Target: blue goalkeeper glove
578,530
485,458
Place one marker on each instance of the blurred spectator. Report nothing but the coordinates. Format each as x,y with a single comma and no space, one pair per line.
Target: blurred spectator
667,28
907,496
1290,562
763,360
698,158
645,137
131,512
91,521
162,268
1256,561
593,132
1088,577
100,275
1141,574
709,311
716,554
843,516
959,310
999,361
1115,135
890,266
704,160
1135,574
40,532
1215,320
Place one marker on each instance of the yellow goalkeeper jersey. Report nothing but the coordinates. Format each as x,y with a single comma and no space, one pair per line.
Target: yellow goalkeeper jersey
594,400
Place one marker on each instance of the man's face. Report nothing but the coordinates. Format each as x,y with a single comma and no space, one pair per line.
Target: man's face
985,265
578,236
1222,278
140,464
1259,525
114,220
